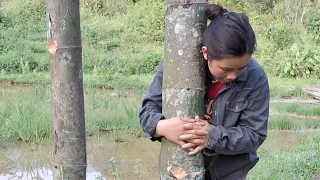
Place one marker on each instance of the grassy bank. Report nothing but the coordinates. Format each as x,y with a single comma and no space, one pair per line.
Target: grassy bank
302,162
120,36
115,81
280,87
25,112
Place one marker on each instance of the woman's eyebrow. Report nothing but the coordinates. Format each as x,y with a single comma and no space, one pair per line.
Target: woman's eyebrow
230,69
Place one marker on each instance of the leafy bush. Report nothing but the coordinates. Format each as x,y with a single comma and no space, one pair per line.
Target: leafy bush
234,5
150,63
294,10
22,11
109,8
313,25
124,36
281,34
145,22
263,6
298,62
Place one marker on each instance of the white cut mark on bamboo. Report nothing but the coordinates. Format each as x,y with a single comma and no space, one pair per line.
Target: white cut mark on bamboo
180,52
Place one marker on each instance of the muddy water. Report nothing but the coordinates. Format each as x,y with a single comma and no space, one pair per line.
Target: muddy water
134,159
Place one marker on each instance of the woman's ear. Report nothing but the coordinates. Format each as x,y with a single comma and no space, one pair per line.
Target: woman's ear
205,52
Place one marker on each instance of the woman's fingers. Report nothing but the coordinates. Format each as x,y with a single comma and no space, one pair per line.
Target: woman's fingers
196,125
188,137
200,123
196,133
188,126
196,141
196,150
180,142
187,120
189,146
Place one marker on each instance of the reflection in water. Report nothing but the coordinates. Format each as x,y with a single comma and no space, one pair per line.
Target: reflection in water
134,159
46,173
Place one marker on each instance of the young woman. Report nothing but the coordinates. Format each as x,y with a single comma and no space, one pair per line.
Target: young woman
237,101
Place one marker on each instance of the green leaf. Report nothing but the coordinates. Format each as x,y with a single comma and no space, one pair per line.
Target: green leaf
287,67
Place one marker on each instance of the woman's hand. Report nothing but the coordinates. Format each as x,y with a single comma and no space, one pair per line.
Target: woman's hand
173,128
191,135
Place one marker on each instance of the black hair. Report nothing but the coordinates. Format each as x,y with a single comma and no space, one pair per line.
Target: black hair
228,35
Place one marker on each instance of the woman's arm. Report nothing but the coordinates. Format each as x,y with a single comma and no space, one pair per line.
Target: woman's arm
251,130
151,112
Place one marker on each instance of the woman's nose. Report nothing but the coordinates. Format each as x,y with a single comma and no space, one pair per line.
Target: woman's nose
231,76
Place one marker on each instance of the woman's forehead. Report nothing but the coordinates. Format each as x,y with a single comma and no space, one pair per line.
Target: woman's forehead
234,62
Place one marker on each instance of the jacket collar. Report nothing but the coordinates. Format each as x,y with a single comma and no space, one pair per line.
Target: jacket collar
243,76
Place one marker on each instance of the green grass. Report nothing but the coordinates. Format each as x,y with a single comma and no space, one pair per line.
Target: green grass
290,87
105,41
285,122
300,163
113,81
127,38
279,87
294,116
296,108
25,113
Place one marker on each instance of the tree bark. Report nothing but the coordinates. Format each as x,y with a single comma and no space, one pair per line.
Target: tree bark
64,45
184,82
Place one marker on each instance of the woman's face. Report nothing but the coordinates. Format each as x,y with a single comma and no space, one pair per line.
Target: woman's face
226,70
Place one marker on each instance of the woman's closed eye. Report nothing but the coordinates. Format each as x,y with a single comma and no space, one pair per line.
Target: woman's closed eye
230,69
227,69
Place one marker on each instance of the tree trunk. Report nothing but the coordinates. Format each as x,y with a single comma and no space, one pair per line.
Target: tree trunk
184,82
64,45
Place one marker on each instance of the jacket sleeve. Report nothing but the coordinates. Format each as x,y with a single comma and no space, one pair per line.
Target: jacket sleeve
251,129
151,112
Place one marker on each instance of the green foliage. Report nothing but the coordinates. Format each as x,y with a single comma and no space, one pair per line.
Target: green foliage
114,171
126,37
109,9
263,6
145,22
286,122
25,113
235,5
299,61
294,10
22,11
313,25
297,108
281,34
300,163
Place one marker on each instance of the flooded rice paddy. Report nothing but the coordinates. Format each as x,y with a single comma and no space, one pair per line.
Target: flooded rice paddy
132,158
136,158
